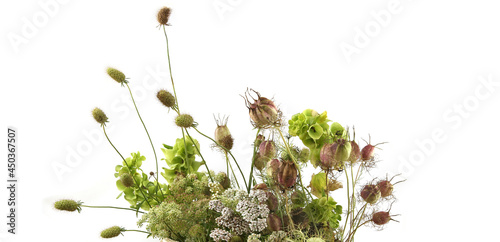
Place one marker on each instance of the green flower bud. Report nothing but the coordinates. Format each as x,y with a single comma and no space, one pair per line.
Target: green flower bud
111,232
67,205
163,15
166,98
184,121
117,75
99,116
127,180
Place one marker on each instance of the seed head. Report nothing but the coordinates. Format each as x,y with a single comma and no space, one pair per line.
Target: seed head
99,116
370,193
127,179
184,121
67,205
117,75
111,232
222,134
381,218
163,15
273,222
263,112
166,98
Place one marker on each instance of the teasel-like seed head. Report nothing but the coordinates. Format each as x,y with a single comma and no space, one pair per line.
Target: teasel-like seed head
68,205
184,121
111,232
99,116
163,15
127,180
117,75
166,98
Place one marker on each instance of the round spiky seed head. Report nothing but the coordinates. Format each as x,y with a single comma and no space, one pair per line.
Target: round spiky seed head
117,75
99,116
184,121
370,193
67,205
166,98
386,188
111,232
164,15
127,180
381,218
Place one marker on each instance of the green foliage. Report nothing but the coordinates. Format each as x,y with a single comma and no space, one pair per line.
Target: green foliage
318,185
181,159
325,211
142,188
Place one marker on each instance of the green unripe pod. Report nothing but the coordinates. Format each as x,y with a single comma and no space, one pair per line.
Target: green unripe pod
67,205
99,116
370,194
111,232
166,98
117,75
184,121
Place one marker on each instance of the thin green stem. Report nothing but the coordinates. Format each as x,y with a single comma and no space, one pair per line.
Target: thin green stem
170,68
253,161
126,163
227,160
151,142
348,204
204,162
131,209
134,230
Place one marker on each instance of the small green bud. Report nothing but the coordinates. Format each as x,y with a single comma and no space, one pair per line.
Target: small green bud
67,205
111,232
166,98
99,116
117,75
184,121
127,180
164,15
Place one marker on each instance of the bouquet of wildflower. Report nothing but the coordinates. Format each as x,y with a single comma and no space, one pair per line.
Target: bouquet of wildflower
270,204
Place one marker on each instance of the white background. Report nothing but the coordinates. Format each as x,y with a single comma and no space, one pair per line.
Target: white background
408,79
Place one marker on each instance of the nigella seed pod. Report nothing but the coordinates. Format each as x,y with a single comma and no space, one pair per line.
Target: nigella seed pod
334,155
166,98
267,149
117,75
298,198
272,201
274,222
287,174
184,121
263,112
367,152
370,193
355,152
67,205
224,180
386,188
260,138
111,232
272,169
222,134
163,15
381,218
127,180
260,161
99,116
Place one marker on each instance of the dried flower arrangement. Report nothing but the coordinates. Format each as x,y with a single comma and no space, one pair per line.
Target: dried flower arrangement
272,204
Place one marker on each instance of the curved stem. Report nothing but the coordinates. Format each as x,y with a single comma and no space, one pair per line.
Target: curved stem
134,230
170,68
131,209
126,163
253,160
149,137
228,162
199,153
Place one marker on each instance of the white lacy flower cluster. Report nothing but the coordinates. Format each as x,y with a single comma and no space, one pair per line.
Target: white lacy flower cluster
220,235
254,210
231,204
